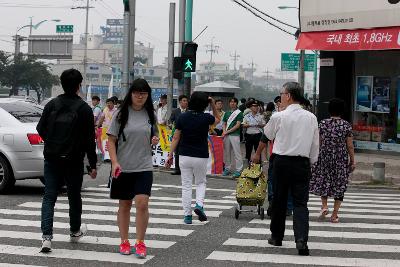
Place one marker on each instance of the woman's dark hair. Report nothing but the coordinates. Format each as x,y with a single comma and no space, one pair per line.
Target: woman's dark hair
138,85
95,97
270,106
110,100
295,90
198,101
336,107
70,80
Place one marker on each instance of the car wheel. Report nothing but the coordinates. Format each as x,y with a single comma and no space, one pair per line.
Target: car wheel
7,180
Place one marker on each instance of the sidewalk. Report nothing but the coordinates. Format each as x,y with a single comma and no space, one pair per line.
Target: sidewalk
364,168
361,176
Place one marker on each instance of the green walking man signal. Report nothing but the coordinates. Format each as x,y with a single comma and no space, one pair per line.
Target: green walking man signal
188,65
187,62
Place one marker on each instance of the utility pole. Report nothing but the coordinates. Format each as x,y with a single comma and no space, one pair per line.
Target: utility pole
182,15
132,30
301,73
188,38
17,47
171,46
85,52
235,57
125,53
267,72
252,64
31,26
212,49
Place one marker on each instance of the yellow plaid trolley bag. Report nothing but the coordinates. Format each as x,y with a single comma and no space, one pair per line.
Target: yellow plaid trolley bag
251,190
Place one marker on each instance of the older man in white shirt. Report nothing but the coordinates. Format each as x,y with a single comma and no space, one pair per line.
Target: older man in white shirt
296,147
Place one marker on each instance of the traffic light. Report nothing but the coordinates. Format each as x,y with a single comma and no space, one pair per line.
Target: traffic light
187,62
178,74
189,57
126,5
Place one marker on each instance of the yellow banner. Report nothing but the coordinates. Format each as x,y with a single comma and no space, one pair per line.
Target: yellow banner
165,135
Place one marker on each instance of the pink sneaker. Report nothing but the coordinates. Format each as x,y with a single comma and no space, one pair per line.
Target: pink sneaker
140,250
125,248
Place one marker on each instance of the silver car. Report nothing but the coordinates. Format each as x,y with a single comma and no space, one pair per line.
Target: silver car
21,147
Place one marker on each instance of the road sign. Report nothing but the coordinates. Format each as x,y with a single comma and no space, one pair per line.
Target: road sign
50,46
65,28
290,62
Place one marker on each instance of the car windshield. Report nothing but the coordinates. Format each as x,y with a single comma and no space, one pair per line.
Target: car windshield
23,111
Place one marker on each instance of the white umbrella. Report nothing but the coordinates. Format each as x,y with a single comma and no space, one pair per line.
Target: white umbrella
111,87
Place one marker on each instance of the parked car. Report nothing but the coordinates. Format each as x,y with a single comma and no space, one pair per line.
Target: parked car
45,101
21,147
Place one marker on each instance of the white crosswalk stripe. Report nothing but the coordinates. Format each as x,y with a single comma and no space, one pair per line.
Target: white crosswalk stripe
166,227
368,234
151,203
60,206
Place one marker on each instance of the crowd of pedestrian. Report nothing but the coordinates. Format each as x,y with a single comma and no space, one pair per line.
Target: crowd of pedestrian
303,156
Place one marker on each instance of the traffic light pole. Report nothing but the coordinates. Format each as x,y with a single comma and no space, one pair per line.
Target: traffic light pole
182,14
188,38
85,52
125,58
171,44
132,30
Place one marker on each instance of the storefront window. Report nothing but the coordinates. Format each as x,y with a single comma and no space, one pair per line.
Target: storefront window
376,94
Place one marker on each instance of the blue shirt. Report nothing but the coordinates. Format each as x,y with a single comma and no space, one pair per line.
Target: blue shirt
194,128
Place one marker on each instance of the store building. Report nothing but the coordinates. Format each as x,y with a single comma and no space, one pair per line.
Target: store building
359,44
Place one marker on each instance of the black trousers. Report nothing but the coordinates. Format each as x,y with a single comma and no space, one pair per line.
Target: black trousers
252,141
290,173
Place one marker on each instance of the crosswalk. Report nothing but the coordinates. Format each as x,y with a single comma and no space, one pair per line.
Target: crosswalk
368,235
20,227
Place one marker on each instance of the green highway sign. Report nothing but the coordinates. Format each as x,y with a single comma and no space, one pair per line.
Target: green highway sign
290,62
65,28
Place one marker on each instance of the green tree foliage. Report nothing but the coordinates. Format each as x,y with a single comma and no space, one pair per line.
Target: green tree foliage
22,72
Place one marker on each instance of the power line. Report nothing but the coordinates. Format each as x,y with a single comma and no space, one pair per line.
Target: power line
5,5
109,8
265,14
270,23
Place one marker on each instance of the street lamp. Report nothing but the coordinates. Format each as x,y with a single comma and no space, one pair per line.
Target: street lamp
19,38
36,26
288,7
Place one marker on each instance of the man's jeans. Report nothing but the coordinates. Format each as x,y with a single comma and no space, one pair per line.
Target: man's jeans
55,173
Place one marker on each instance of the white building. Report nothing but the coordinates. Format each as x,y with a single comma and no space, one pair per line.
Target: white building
215,71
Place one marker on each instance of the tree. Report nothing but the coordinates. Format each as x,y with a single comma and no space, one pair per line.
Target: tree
258,92
24,72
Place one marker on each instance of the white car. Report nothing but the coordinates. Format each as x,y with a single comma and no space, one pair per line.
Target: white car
21,147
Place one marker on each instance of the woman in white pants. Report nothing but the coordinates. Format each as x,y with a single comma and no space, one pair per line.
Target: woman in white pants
192,136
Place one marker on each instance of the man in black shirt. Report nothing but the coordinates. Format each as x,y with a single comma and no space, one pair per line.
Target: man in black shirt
67,128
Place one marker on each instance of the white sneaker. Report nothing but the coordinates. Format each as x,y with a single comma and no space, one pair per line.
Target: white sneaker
75,237
46,246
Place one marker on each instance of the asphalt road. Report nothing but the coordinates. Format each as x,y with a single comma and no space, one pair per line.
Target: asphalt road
367,235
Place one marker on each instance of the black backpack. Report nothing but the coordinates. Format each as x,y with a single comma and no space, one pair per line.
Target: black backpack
62,129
